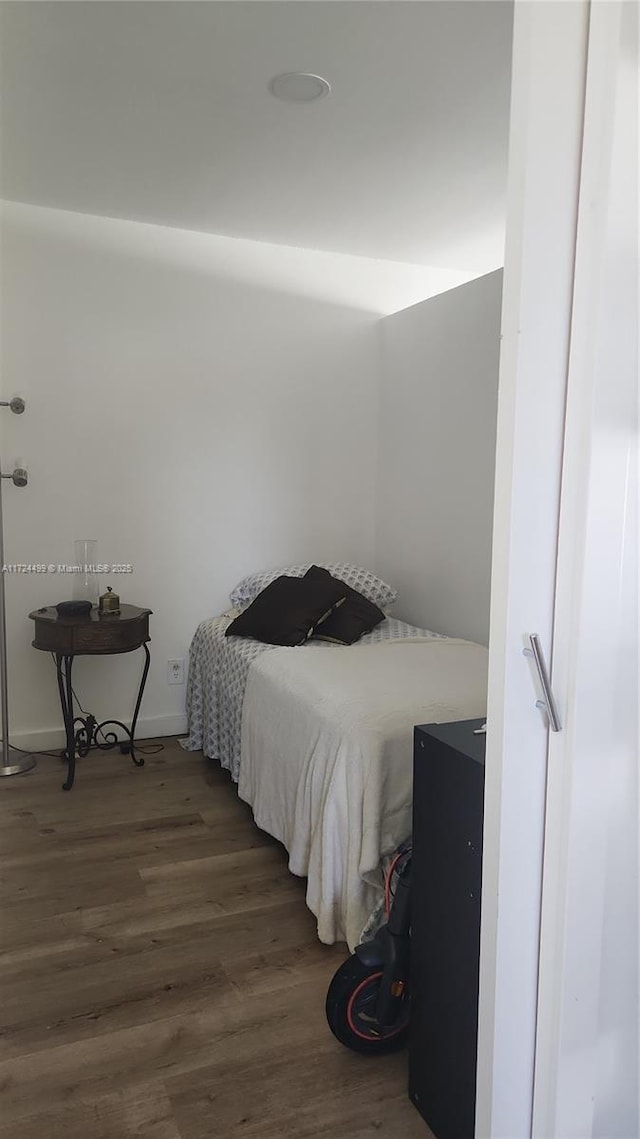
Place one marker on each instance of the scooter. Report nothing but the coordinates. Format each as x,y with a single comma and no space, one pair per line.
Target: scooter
367,1003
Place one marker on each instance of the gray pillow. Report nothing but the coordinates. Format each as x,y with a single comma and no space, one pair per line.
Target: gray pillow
362,580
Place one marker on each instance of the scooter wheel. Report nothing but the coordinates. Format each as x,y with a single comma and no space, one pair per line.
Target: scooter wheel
351,1008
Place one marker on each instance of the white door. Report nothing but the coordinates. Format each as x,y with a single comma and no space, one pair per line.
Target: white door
586,1080
568,319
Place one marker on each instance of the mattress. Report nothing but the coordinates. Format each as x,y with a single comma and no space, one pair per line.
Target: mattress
218,671
319,740
327,757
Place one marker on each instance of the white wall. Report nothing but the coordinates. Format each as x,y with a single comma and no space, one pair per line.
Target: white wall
205,406
438,410
197,405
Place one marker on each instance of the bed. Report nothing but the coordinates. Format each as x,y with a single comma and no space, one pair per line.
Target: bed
318,739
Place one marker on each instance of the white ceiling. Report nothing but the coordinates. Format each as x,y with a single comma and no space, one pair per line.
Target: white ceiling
160,112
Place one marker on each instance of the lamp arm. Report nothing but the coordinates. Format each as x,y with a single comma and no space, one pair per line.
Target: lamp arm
11,764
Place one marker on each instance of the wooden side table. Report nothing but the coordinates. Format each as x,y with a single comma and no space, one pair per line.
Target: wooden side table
66,637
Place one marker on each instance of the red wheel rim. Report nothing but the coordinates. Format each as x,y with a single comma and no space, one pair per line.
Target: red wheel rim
373,1036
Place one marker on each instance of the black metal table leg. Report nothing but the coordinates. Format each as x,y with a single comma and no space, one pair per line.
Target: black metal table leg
145,671
82,738
63,672
110,739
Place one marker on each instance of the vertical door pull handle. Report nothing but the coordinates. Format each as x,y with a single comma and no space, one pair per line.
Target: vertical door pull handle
548,703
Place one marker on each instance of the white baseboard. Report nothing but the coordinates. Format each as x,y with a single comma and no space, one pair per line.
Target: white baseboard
51,739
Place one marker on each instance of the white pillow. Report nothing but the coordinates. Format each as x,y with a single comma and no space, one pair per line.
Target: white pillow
365,582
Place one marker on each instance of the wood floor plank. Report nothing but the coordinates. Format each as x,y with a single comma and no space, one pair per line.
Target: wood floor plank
160,975
122,988
19,829
46,894
239,1032
24,929
160,788
279,926
280,966
284,1094
236,881
143,1112
163,840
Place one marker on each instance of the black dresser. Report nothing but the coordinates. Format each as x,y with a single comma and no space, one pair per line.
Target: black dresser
446,878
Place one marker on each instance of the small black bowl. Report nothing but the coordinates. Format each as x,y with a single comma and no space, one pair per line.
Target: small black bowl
73,608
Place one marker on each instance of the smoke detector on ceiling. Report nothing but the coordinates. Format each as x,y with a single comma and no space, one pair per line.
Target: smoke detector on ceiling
299,87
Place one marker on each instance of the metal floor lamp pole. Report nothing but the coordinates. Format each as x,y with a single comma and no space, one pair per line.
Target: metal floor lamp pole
13,762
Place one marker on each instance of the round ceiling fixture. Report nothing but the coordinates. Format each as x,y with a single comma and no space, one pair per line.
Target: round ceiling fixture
299,87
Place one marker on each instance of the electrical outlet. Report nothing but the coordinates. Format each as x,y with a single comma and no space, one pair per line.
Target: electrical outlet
175,671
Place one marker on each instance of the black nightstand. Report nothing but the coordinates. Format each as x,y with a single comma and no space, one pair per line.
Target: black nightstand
446,881
91,634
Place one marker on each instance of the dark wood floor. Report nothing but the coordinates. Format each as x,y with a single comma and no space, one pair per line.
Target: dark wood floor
161,975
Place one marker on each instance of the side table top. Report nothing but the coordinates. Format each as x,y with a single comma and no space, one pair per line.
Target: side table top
49,613
90,634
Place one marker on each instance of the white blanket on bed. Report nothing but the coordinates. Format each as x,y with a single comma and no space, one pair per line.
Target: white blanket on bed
331,776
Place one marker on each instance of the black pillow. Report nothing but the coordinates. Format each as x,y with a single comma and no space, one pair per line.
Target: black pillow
287,611
355,617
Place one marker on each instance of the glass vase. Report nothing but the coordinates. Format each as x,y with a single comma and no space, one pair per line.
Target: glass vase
86,585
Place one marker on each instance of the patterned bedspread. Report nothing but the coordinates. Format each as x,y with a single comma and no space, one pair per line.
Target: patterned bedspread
218,670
